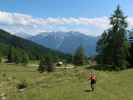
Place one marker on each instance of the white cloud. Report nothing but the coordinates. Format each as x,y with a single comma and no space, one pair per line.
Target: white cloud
130,21
22,19
16,22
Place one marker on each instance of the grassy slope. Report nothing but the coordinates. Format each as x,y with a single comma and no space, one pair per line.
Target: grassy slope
70,84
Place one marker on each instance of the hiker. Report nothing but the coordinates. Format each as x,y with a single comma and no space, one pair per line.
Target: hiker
92,78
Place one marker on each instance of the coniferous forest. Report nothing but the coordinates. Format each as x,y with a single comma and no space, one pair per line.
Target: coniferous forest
113,47
17,48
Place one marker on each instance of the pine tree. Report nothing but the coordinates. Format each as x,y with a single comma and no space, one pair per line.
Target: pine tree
130,59
25,58
131,55
79,56
17,56
9,56
101,49
114,49
46,64
49,63
0,58
42,66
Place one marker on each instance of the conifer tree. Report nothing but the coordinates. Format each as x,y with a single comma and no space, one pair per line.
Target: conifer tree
101,48
17,56
9,56
114,49
79,56
0,58
25,58
49,63
46,64
131,55
42,66
130,59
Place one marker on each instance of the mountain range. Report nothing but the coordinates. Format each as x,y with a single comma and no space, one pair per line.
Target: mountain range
66,42
34,50
23,35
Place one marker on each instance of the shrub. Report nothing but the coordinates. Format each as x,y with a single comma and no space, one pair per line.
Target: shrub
22,85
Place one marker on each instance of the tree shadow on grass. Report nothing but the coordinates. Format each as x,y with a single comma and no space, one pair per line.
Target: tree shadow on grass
101,67
87,90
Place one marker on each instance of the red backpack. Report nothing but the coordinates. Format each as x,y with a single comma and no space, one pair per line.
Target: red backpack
93,77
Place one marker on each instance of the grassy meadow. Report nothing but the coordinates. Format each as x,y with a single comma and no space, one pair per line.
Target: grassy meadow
64,84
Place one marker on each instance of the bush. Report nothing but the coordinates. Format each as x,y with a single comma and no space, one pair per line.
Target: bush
22,85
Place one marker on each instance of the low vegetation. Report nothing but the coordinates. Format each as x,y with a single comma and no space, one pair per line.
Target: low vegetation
63,84
22,85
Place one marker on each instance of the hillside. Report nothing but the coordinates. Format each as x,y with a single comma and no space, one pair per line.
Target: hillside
67,42
32,49
23,35
70,84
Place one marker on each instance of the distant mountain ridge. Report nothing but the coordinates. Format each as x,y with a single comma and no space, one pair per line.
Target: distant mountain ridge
23,35
33,50
66,42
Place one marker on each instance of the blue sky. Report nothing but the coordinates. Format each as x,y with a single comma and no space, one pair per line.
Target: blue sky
34,16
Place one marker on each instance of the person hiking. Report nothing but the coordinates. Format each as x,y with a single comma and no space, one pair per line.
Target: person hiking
92,78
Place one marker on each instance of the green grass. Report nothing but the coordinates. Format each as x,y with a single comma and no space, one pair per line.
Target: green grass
70,84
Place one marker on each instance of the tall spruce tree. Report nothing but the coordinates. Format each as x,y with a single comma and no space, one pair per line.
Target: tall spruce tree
130,59
49,63
101,49
112,48
25,58
42,66
131,55
79,56
10,56
0,58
